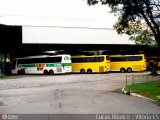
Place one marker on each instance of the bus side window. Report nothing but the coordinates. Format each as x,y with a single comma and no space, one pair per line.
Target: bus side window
78,60
89,59
124,59
127,58
96,59
136,58
139,58
101,59
92,59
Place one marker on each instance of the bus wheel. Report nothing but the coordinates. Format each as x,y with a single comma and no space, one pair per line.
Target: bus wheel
82,71
129,69
89,71
45,72
122,70
19,72
51,72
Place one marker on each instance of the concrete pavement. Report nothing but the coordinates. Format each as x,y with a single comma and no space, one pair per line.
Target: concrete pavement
70,94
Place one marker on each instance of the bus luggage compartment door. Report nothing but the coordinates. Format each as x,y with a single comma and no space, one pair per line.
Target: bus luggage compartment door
101,69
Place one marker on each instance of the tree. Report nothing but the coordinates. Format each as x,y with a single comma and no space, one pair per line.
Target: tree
131,16
134,11
138,32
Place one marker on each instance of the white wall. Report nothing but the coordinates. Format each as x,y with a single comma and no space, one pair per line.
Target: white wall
72,35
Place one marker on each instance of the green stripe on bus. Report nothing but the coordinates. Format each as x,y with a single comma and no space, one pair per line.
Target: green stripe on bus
47,65
53,65
28,65
67,64
58,64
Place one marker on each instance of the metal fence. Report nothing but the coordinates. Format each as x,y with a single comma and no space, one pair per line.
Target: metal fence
131,79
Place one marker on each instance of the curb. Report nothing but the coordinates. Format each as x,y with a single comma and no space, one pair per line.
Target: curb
136,95
124,91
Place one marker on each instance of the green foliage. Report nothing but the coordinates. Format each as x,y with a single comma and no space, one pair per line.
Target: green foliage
92,2
135,11
148,89
2,57
138,32
143,37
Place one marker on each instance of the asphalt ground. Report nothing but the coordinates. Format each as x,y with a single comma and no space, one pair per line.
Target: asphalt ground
73,94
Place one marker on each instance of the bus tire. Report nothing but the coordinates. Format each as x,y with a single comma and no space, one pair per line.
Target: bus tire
122,70
129,70
51,72
19,72
89,71
45,72
82,71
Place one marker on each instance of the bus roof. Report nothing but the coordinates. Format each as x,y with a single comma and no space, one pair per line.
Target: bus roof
42,56
75,56
119,55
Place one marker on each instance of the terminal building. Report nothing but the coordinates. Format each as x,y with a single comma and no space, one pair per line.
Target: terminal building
21,41
30,40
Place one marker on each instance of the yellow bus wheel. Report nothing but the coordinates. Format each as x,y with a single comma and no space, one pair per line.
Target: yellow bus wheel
89,71
122,70
82,71
129,69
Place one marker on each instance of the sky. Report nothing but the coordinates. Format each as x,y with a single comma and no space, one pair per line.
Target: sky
55,12
75,16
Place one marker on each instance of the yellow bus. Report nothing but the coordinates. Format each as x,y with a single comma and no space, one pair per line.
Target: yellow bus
90,64
128,63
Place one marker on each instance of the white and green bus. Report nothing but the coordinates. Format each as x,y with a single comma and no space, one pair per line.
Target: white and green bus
48,65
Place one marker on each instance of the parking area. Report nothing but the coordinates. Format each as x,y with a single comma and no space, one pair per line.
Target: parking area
30,81
71,93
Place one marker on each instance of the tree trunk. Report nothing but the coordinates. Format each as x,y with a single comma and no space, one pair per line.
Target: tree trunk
155,64
157,38
154,68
